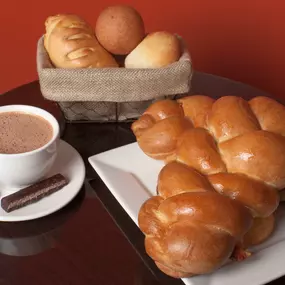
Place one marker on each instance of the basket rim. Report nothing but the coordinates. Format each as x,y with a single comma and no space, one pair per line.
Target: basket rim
41,51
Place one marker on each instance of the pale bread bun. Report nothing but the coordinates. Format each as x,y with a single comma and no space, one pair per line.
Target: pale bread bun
119,29
70,43
158,49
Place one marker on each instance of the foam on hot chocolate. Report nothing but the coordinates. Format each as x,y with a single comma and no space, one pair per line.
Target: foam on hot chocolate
22,132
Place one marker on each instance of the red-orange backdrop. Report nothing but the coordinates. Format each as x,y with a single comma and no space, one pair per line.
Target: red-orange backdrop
240,39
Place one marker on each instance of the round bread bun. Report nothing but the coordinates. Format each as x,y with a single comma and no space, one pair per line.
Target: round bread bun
119,29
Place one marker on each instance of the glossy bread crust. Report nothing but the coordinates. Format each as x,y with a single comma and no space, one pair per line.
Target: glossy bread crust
221,183
71,43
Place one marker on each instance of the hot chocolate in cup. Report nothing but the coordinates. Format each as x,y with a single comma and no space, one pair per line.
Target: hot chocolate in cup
29,139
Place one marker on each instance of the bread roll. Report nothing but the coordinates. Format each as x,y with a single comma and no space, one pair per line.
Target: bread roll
119,29
242,145
71,43
191,229
158,49
239,146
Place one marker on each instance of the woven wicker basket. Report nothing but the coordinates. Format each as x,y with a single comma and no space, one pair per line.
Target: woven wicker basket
110,94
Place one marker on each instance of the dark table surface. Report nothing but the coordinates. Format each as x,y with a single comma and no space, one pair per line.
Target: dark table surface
91,240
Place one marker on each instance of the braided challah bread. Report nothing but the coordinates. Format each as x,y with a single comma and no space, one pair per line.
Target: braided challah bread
219,189
71,43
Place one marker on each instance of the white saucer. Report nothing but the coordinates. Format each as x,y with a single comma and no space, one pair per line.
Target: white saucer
70,164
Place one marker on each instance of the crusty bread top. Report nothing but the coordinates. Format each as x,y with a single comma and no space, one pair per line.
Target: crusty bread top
71,43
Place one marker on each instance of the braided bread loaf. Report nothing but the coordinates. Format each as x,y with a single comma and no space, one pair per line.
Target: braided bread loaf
229,146
71,43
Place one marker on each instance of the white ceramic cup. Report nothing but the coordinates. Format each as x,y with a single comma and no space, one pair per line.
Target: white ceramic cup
22,169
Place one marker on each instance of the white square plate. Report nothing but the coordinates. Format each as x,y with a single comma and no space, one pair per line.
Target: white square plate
131,176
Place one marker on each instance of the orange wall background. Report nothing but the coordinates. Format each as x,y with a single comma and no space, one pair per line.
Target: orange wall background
239,39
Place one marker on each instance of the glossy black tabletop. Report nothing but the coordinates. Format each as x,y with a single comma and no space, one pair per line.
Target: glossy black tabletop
91,240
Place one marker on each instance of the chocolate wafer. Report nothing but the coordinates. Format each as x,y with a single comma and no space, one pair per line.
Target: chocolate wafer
33,193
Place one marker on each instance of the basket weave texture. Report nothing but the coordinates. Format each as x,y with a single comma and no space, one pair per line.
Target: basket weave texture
110,94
